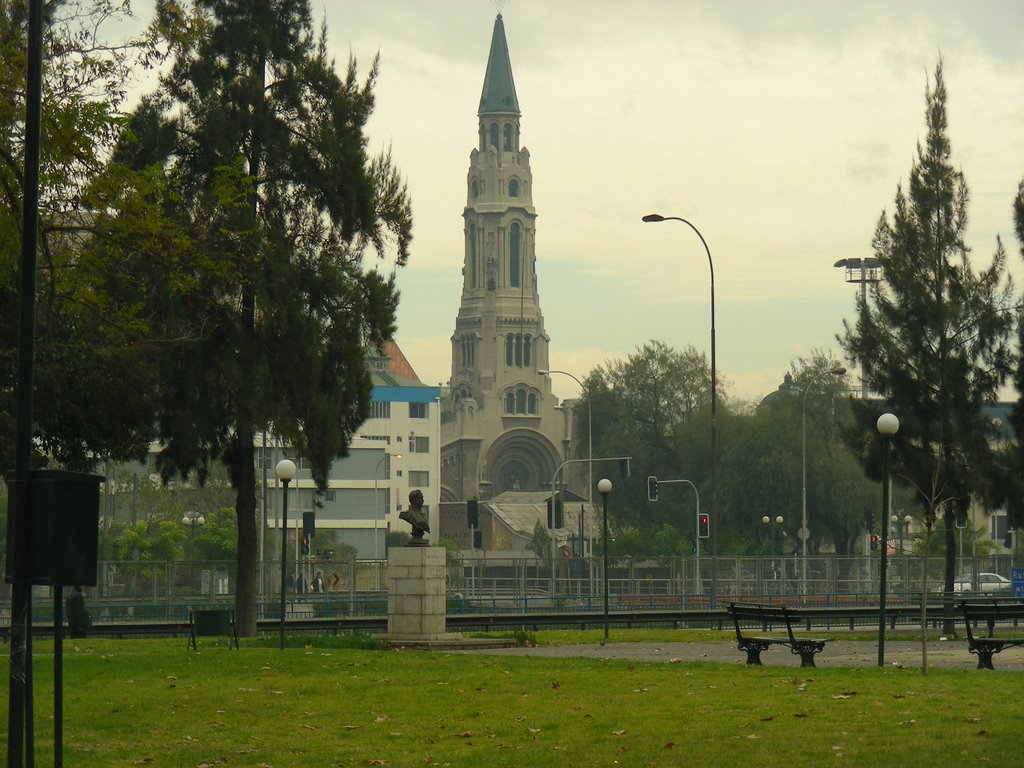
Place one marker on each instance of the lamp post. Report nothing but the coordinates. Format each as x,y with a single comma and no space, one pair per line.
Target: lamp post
285,471
805,532
590,437
193,519
376,505
604,487
771,530
888,425
657,217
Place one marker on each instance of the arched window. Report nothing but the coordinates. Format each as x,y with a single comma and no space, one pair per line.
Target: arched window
513,188
532,403
474,189
510,342
513,255
472,254
510,403
494,135
521,401
468,345
508,137
526,351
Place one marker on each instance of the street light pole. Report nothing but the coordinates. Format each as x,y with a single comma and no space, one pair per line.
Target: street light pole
376,504
805,532
604,487
590,438
888,425
285,471
657,217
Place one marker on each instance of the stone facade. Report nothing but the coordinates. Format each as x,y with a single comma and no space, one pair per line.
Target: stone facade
501,427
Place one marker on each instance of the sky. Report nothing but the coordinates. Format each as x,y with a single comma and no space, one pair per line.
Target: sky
780,128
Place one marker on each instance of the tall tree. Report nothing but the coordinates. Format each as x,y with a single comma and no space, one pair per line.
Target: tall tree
264,150
934,338
90,375
642,407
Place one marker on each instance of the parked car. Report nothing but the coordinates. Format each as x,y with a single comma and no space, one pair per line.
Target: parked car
987,582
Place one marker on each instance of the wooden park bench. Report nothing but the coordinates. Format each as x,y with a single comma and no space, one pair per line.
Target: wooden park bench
211,622
767,617
991,611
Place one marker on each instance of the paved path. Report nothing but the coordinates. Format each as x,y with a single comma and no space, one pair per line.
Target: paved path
948,654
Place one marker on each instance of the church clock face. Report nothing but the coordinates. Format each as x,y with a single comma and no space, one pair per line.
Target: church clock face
514,475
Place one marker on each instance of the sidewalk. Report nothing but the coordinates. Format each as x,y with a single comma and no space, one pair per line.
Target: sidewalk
944,654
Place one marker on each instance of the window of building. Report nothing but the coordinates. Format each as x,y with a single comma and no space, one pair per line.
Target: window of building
380,410
420,479
521,401
467,345
418,444
474,189
329,496
513,188
418,410
508,137
494,135
472,250
514,265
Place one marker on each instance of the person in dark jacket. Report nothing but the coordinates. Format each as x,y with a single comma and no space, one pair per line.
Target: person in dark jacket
78,618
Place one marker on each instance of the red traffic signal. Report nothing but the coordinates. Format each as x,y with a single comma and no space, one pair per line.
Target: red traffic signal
703,526
874,541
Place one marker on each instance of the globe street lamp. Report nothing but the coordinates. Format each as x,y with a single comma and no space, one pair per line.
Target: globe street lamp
888,425
285,472
805,532
771,530
604,487
193,519
657,217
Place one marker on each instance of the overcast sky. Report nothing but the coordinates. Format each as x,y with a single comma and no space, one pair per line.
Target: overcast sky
781,129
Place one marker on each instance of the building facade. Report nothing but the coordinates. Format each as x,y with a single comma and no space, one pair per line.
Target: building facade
501,427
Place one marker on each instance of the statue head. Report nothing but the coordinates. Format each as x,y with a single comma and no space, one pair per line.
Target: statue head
416,498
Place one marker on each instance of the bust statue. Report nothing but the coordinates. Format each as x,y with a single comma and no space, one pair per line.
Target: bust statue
416,518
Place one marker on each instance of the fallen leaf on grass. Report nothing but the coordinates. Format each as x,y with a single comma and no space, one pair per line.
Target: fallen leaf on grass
906,722
844,695
309,727
675,661
670,745
618,733
556,685
382,719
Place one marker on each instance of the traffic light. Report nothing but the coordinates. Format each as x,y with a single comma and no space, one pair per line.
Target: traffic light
874,541
309,524
473,513
703,526
1008,538
305,545
961,518
652,488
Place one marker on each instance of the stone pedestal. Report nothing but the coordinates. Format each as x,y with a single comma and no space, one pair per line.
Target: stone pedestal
416,595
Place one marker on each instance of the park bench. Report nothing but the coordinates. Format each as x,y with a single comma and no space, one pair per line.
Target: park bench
990,611
767,617
211,622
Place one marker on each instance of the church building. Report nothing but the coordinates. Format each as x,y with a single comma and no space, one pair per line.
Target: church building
502,429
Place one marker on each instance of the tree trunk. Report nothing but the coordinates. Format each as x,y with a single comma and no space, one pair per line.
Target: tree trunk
244,473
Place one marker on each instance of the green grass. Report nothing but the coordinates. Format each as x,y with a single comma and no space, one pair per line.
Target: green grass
151,702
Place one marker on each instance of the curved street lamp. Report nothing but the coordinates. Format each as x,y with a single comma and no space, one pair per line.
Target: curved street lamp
657,217
590,436
285,471
805,532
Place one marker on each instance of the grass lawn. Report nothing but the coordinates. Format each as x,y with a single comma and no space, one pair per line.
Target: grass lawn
151,702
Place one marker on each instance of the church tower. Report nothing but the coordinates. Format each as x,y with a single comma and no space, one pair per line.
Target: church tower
500,429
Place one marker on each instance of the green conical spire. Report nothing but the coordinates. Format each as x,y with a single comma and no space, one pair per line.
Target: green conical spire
499,94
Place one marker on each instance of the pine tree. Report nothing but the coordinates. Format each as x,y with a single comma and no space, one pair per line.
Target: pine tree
263,146
934,338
